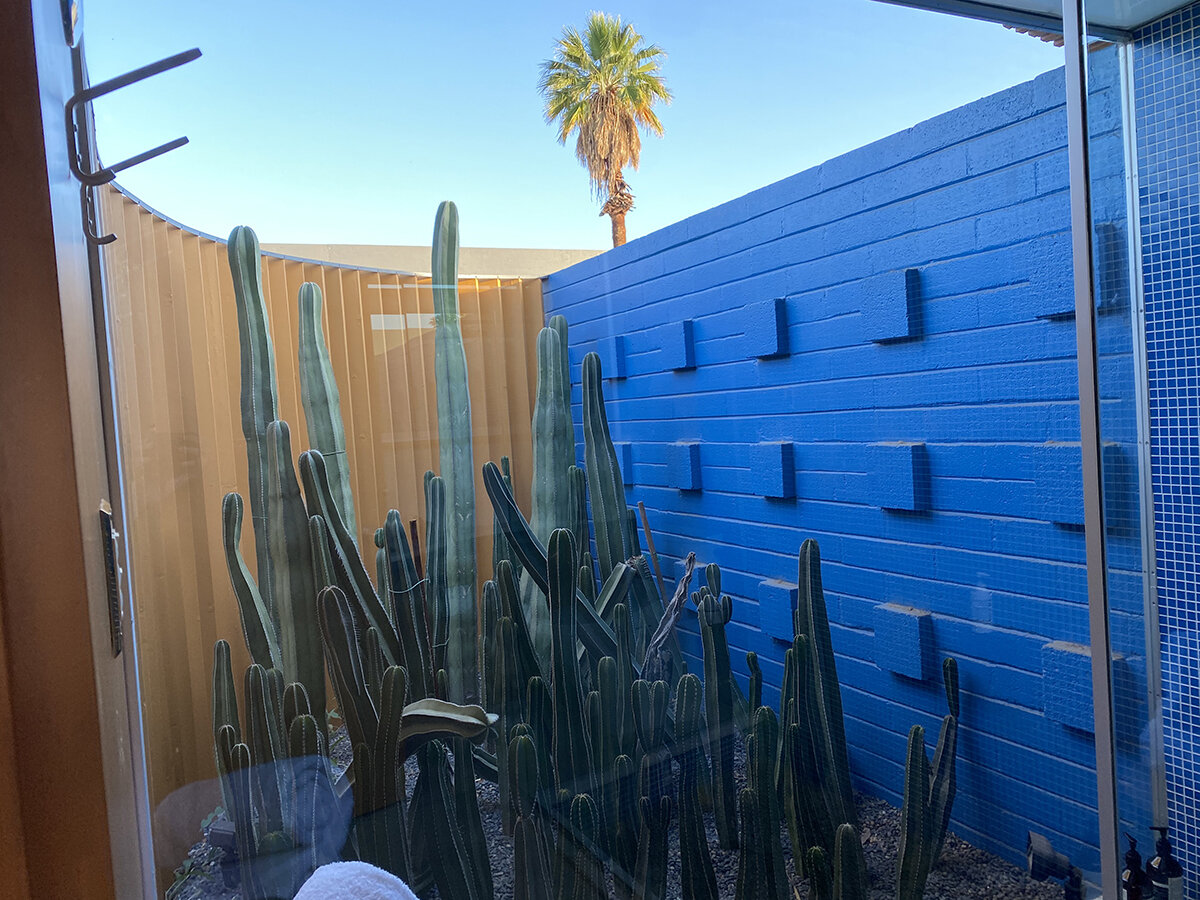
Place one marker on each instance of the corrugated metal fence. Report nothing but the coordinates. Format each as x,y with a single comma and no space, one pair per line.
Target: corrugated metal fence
178,381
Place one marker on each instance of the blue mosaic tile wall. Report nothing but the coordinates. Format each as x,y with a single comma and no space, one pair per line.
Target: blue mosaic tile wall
1167,100
880,353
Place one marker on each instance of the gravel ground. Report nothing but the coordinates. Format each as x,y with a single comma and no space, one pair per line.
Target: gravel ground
964,872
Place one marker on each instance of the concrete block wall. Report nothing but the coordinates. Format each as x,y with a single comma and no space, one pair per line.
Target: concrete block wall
879,353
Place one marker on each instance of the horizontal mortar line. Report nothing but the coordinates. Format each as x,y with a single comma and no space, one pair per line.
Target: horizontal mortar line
945,581
1048,755
878,207
836,503
822,258
1005,405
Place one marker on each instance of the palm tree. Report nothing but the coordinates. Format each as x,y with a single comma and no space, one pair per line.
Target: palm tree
603,83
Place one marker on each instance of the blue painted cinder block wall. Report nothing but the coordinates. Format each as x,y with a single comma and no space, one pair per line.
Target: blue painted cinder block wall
1168,140
879,353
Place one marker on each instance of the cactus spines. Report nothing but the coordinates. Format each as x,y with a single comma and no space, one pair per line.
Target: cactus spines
572,754
715,614
408,607
751,868
943,778
456,460
651,880
448,856
605,484
257,625
531,873
259,397
322,407
553,439
266,748
756,682
466,806
315,803
850,880
589,870
579,516
699,881
916,824
812,621
819,880
224,709
291,558
761,752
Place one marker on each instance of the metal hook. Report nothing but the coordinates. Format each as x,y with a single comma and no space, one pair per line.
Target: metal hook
89,216
87,95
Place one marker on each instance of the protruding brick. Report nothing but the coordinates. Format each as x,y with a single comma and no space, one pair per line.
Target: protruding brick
1067,684
899,476
625,461
773,469
904,641
776,608
892,305
678,345
612,356
766,328
1058,480
683,466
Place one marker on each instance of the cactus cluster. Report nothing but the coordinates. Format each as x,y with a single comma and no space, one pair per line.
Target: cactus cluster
929,790
601,740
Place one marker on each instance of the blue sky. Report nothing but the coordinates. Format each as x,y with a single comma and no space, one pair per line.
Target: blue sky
348,122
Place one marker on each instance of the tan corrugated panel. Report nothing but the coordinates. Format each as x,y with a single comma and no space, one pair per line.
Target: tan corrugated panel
178,392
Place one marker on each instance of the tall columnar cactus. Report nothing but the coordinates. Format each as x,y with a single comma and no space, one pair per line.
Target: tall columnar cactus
589,868
448,857
916,823
259,400
944,782
813,796
456,459
605,483
812,621
322,407
751,876
928,795
466,806
715,614
531,871
850,881
761,753
301,656
572,753
698,878
650,702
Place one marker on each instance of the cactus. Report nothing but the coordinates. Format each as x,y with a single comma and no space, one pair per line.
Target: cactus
916,825
456,460
466,805
407,599
714,615
813,798
448,857
699,881
928,795
258,628
605,725
628,830
819,879
259,397
322,408
531,874
850,880
651,879
943,783
588,869
756,680
812,621
751,881
605,484
572,754
761,751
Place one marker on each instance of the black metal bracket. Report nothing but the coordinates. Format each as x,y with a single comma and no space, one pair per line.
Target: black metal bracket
89,218
87,95
112,577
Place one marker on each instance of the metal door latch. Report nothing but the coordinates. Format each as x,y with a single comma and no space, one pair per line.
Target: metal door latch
109,538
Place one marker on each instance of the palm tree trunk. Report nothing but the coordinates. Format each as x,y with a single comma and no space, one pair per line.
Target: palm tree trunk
618,228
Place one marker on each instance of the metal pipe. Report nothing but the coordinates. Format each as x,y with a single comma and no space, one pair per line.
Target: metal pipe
1075,50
